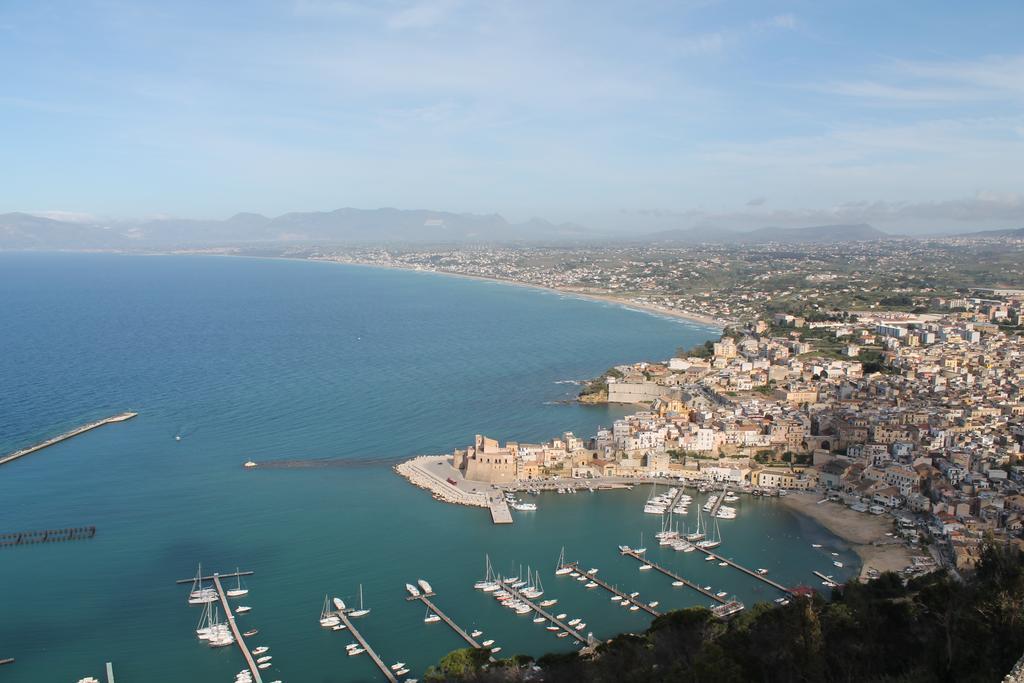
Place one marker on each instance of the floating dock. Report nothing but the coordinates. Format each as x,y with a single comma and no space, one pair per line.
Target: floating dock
121,417
239,640
425,599
544,613
613,590
718,503
230,575
500,514
679,494
47,536
759,577
672,575
110,672
388,674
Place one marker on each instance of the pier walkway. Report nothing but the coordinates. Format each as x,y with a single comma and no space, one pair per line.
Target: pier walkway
613,590
425,599
239,640
759,577
679,494
547,615
121,417
718,503
388,674
672,575
500,514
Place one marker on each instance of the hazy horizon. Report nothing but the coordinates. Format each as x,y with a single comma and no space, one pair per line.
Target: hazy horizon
703,114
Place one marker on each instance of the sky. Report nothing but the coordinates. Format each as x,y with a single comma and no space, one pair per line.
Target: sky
622,116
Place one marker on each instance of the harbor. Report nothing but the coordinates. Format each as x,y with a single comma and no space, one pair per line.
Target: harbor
47,536
342,614
566,628
671,574
757,575
250,661
626,598
120,417
425,598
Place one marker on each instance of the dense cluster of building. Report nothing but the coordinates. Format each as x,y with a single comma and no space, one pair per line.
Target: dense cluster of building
936,433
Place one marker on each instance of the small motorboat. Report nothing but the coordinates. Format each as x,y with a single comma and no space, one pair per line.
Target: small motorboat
260,650
645,567
563,634
242,609
477,633
487,643
563,615
338,627
495,649
356,651
723,564
616,598
721,594
263,659
677,584
431,619
264,665
552,628
250,634
539,620
837,563
397,665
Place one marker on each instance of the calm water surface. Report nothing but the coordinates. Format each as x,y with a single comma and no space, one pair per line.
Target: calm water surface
269,359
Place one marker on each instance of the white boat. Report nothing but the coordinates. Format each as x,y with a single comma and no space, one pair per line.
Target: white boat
238,591
548,603
815,545
698,533
402,672
250,463
397,665
563,615
723,564
487,643
677,584
431,618
264,665
263,659
633,608
476,633
616,598
523,507
413,590
539,620
260,650
712,541
339,604
356,651
837,563
242,609
551,628
653,603
328,620
590,584
361,612
721,594
560,568
762,571
425,586
489,583
645,567
339,627
495,649
573,621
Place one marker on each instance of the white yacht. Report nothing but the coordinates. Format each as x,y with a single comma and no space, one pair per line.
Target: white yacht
413,590
422,582
362,611
238,591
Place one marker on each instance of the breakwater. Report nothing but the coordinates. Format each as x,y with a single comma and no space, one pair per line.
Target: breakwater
418,473
120,417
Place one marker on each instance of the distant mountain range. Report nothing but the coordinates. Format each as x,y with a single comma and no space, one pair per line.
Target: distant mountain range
369,226
26,231
820,234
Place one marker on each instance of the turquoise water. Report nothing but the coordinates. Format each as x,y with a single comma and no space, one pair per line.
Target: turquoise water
269,359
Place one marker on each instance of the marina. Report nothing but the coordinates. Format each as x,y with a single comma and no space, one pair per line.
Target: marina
592,576
759,576
120,417
250,661
547,615
425,599
672,575
388,673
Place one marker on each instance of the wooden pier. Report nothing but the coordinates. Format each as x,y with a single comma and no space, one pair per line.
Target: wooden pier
672,575
239,640
121,417
718,503
425,599
388,674
230,575
759,577
500,514
544,613
47,536
613,590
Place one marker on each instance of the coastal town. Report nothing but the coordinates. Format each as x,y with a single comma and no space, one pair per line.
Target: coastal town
908,425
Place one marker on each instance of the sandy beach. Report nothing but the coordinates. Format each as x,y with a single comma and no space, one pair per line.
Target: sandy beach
625,302
864,532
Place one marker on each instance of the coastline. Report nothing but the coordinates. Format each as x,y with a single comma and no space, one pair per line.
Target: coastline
864,532
653,309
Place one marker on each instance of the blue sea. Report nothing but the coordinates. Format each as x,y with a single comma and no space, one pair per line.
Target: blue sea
270,359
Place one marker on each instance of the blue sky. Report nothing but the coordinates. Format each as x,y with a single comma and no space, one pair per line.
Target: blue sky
904,114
